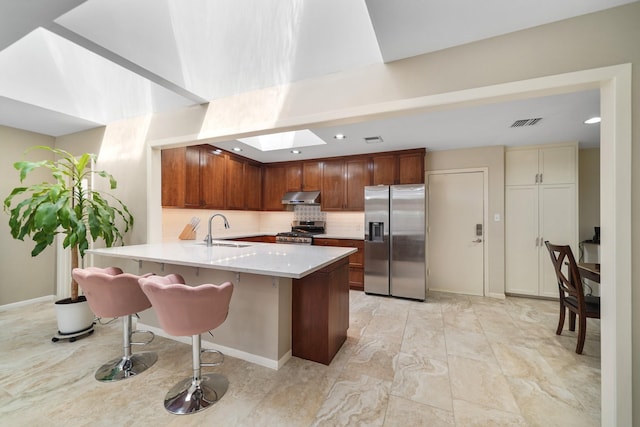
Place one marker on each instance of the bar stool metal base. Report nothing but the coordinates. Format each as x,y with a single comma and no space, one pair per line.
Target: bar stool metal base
123,367
190,396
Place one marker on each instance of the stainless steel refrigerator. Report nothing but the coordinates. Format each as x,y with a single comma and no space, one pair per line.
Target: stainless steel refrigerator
394,242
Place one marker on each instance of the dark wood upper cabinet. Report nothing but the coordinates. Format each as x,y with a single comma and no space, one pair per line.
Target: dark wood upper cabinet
333,185
411,168
235,183
181,169
212,179
312,176
174,176
384,169
192,179
357,175
278,179
404,167
343,183
253,186
244,183
204,177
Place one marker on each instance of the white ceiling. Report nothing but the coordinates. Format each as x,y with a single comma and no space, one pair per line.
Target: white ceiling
71,65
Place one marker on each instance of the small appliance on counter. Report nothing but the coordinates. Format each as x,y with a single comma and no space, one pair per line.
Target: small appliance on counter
301,233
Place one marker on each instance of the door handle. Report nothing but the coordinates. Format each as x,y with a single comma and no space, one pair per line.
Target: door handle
477,241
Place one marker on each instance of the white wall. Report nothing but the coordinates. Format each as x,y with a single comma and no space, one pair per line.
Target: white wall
23,277
589,188
493,159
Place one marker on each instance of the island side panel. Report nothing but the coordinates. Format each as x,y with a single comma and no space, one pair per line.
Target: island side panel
320,312
253,330
285,319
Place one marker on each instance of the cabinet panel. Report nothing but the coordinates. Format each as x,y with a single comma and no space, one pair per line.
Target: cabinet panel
521,240
521,167
312,176
558,226
333,187
192,178
253,186
212,179
173,176
558,165
294,177
546,165
411,168
273,188
277,180
235,183
356,171
384,170
320,313
356,279
356,260
534,214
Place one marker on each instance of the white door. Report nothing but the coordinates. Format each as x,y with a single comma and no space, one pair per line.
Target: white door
456,232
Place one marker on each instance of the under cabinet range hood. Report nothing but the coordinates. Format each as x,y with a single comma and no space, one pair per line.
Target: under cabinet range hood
301,198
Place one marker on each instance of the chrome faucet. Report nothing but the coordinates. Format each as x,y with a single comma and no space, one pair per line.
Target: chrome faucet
209,239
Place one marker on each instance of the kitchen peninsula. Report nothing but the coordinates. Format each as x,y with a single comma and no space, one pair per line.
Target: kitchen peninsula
287,299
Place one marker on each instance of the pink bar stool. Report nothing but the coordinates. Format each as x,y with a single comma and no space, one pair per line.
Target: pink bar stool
189,311
112,293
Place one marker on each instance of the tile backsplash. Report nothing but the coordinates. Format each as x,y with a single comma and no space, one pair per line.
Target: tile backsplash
308,213
346,224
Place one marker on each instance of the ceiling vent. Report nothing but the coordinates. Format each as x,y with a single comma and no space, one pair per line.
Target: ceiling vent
372,139
525,122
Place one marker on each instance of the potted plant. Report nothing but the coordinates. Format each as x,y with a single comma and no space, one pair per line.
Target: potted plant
68,207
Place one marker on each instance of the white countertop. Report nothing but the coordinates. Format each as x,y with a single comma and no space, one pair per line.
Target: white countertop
269,259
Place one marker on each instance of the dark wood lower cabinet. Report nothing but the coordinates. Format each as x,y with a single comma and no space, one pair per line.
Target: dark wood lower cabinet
320,313
356,260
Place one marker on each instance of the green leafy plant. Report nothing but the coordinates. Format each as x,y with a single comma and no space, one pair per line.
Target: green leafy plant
66,206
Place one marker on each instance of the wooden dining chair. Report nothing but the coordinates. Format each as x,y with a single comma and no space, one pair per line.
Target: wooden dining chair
572,295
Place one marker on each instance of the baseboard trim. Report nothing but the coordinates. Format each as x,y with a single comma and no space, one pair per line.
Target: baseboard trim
27,302
232,352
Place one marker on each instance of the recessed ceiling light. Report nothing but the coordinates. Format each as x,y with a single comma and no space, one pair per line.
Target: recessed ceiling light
237,149
592,120
296,151
340,136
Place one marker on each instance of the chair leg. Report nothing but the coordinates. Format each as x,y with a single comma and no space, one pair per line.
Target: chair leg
572,321
198,392
128,365
561,319
582,332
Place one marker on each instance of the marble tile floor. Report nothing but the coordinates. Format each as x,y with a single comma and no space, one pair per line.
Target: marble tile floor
451,361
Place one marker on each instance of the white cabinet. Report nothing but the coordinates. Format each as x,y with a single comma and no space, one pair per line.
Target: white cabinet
548,165
540,204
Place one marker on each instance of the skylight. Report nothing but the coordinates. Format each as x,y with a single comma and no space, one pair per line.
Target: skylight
284,140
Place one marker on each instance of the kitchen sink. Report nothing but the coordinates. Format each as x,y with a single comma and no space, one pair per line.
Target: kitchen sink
225,245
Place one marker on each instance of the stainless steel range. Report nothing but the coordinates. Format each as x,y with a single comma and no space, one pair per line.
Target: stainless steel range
301,233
